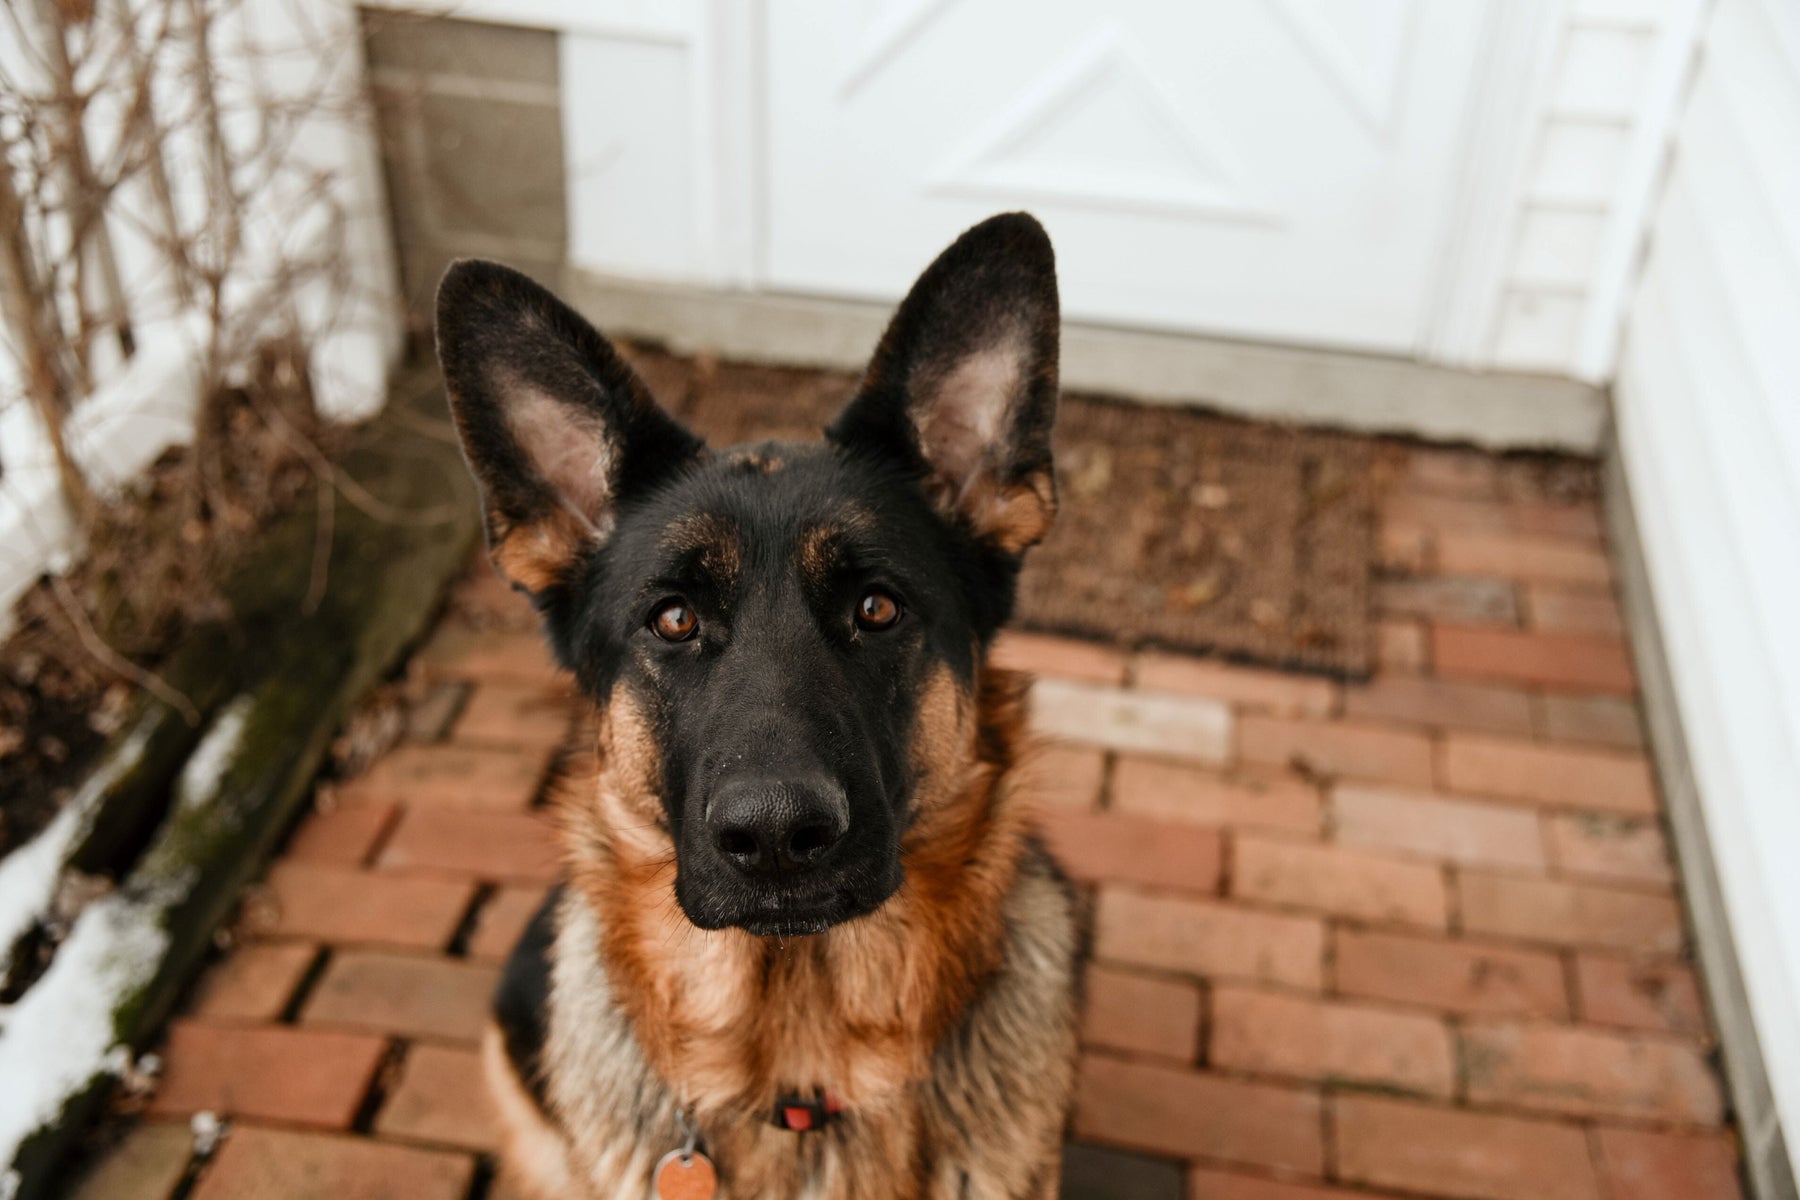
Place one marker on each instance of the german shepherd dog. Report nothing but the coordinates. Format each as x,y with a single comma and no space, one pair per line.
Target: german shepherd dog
807,944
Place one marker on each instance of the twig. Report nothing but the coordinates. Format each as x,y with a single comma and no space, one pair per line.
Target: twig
95,645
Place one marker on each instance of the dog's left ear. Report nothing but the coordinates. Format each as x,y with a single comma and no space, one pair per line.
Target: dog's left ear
962,388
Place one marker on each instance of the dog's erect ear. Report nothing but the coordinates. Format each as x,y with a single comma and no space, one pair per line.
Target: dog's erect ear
963,384
556,427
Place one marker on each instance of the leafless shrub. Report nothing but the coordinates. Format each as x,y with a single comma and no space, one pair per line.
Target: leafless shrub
153,165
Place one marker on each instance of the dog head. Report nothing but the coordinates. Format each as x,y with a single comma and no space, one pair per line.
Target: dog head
775,633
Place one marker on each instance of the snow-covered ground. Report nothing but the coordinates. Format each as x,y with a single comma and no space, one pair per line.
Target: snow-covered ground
61,1037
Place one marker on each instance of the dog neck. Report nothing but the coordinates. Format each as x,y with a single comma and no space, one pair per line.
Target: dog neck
731,1021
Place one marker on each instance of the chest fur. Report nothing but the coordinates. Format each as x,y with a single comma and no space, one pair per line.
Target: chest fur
928,1099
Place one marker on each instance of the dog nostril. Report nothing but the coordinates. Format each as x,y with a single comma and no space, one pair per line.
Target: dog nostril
809,841
738,843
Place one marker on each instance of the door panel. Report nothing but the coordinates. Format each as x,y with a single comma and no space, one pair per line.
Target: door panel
1278,169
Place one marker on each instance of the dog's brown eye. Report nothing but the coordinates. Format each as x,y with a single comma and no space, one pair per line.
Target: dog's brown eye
674,622
877,610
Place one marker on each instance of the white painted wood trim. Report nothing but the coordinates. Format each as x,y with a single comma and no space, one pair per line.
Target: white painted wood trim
728,83
1365,392
1634,202
663,22
1497,146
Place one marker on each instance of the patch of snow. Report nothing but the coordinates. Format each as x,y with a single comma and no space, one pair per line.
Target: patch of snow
199,781
59,1038
29,875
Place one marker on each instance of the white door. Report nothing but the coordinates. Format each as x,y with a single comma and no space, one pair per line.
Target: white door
1274,169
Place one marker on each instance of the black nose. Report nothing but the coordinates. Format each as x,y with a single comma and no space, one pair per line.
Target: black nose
776,827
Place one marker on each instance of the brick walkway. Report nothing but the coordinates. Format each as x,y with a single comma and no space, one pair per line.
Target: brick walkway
1415,938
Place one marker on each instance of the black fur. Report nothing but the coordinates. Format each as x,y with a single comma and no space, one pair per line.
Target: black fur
522,1001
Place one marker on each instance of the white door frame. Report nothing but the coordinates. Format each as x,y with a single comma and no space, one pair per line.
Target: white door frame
1497,142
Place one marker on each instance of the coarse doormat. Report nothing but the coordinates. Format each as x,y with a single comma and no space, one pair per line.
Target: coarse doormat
1181,529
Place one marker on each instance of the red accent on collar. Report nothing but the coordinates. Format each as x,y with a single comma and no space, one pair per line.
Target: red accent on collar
803,1115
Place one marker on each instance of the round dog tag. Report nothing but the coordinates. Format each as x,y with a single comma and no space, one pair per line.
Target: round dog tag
686,1175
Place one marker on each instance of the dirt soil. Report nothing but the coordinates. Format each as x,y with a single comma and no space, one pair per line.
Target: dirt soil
1177,527
67,670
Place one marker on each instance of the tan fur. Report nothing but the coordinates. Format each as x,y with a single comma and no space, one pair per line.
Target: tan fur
760,461
714,538
535,1155
650,1013
1014,518
535,556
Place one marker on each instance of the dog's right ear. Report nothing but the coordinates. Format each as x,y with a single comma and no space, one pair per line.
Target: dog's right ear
557,429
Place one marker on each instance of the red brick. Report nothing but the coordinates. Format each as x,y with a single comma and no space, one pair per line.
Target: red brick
344,836
343,904
1590,1072
279,1164
1579,521
1445,1152
506,715
1114,847
1278,692
1463,831
1537,518
1161,723
1141,1014
1602,780
269,1072
442,998
1449,513
1577,662
473,845
1463,601
518,659
1642,1164
1524,557
1441,704
1205,1183
489,601
1569,914
430,717
1337,748
1461,977
502,920
1605,846
1337,880
1185,1113
1561,609
442,1097
1401,645
148,1163
1066,658
1272,1033
1600,720
1207,938
451,775
1467,473
1403,548
1639,994
1178,792
1056,776
254,982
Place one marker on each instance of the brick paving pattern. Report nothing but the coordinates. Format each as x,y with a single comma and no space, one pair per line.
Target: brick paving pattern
1418,937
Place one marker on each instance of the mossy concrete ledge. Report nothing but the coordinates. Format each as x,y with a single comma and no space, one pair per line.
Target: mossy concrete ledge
184,828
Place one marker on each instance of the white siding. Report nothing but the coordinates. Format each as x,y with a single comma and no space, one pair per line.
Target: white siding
1708,411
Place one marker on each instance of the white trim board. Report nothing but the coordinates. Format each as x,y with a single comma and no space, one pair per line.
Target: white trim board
1365,393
